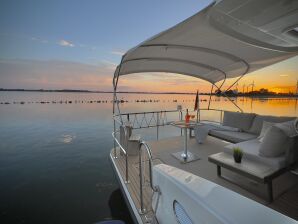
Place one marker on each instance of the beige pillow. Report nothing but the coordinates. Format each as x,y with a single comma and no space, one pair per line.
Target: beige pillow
275,143
265,128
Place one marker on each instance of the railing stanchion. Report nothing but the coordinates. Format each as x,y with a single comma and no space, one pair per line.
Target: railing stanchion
157,126
126,171
155,189
142,209
115,151
126,154
180,118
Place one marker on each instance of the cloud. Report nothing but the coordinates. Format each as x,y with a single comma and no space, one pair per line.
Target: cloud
283,75
108,62
65,43
120,53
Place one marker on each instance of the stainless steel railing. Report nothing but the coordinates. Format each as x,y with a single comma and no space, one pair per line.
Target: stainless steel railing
147,119
151,119
155,189
217,110
123,150
141,174
155,119
143,145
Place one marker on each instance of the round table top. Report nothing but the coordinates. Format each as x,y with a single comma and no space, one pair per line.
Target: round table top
183,124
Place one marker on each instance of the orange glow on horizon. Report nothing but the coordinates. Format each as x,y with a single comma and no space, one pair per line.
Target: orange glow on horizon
280,78
34,74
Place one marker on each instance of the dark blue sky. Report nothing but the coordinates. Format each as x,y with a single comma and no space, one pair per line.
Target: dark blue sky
91,30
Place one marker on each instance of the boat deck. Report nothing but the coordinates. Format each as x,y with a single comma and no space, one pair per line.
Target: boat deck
285,187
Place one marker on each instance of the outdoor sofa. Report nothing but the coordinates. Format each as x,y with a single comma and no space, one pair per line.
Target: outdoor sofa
268,140
247,138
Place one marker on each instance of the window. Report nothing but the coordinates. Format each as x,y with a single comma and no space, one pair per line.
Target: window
181,215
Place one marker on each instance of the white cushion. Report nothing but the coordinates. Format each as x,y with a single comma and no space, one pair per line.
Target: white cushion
250,150
288,128
265,128
239,120
232,136
257,123
275,143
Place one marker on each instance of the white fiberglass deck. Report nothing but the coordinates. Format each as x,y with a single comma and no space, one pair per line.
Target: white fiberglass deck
285,187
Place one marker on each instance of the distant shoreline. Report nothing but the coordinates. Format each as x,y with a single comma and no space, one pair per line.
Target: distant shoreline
87,91
136,92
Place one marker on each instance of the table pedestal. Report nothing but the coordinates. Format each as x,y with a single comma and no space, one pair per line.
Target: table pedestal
185,156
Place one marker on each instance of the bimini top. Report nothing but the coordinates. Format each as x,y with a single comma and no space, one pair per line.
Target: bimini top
229,38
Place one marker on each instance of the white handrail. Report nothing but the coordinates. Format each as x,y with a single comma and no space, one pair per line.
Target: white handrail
154,188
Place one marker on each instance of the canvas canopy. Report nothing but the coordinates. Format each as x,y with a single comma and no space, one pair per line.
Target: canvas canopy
227,39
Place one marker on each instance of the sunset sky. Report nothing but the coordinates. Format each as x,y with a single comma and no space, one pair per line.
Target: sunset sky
62,44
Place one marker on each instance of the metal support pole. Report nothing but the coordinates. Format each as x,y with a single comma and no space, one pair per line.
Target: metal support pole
180,116
142,209
233,102
210,96
115,151
118,108
228,98
126,154
126,170
114,85
184,154
157,126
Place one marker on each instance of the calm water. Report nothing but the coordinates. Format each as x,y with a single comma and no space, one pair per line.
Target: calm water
54,165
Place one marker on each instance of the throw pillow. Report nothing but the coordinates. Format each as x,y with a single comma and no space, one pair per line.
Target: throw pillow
265,128
275,143
288,128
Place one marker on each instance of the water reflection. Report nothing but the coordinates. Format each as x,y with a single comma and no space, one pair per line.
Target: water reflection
54,163
67,138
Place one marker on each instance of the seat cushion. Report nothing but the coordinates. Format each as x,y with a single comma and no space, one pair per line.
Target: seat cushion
232,136
250,150
275,143
257,123
239,120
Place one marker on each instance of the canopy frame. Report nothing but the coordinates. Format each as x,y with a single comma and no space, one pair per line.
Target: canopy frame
117,75
232,57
